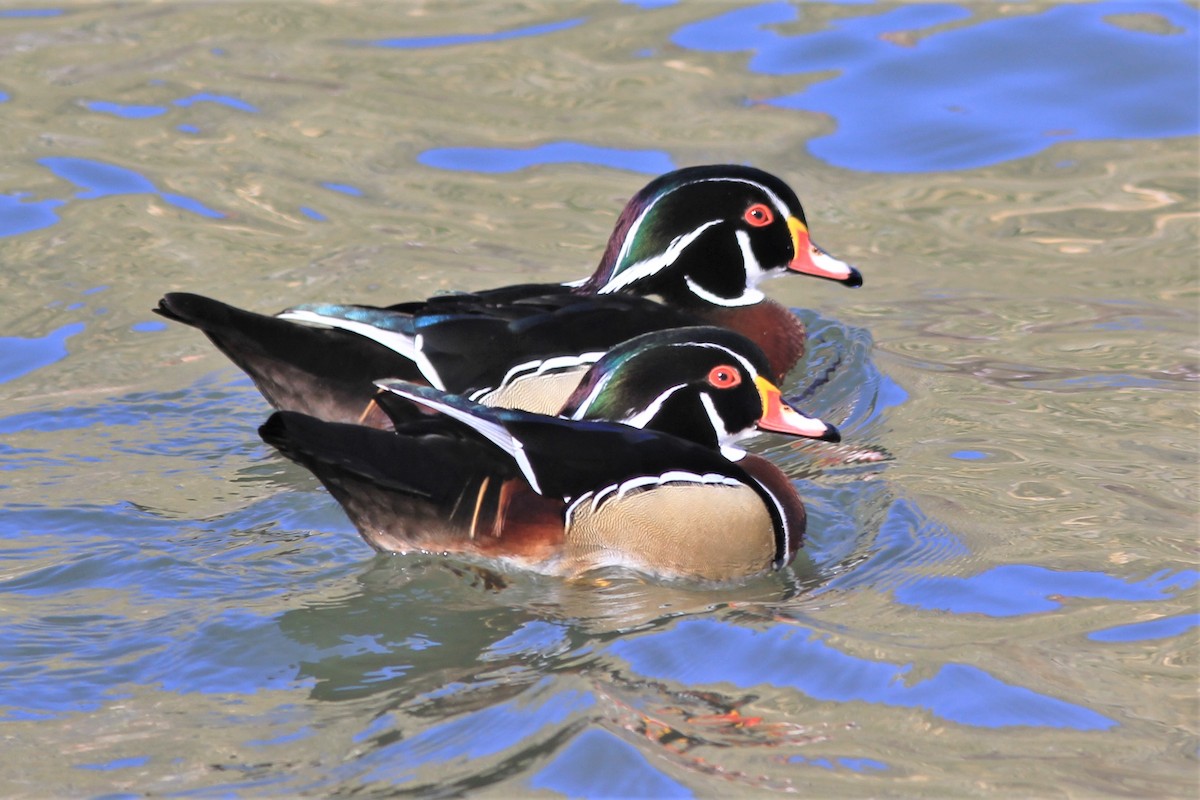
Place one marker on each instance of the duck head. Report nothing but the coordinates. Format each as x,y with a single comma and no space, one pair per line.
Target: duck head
704,384
711,234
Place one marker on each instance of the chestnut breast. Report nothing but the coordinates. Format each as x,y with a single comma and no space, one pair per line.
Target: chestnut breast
768,324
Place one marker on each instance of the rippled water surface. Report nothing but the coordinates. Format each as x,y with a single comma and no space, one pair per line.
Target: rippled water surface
1007,604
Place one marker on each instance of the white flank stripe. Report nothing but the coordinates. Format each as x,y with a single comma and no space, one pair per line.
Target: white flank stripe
617,491
548,365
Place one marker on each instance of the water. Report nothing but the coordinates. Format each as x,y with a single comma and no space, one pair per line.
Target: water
1006,605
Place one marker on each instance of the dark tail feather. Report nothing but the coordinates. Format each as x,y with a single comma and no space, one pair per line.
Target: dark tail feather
403,493
329,448
323,372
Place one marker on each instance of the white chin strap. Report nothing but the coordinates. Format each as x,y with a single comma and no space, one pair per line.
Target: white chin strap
746,298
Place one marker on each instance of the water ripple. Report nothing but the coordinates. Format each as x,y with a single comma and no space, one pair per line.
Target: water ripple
934,87
421,42
956,692
500,159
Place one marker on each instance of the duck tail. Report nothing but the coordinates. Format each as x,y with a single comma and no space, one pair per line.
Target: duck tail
323,372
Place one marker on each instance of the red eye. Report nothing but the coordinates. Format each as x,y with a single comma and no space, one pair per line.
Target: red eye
724,377
759,215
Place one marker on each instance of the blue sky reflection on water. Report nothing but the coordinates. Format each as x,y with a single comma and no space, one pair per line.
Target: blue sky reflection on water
451,40
1013,590
134,111
881,77
98,179
478,734
598,764
22,355
19,215
795,657
506,159
1161,628
906,100
27,13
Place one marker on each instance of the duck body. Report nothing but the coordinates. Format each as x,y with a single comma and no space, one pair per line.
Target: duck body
506,347
636,472
699,240
407,491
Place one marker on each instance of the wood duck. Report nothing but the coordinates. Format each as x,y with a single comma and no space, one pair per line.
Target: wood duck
639,470
700,239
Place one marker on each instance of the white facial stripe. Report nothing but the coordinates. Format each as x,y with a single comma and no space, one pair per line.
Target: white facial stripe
631,234
493,431
745,362
718,424
654,264
640,419
408,347
754,270
779,204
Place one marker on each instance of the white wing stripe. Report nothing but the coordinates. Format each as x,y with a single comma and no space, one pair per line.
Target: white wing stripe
494,432
408,347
